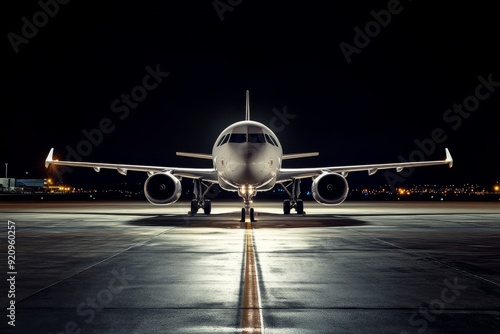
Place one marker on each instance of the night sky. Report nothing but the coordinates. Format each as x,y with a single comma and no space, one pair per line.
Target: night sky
160,77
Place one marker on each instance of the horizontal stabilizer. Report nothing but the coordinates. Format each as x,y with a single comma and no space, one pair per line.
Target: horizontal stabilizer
300,155
194,155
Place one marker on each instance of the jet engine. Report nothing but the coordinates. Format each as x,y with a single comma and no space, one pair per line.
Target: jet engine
162,189
330,188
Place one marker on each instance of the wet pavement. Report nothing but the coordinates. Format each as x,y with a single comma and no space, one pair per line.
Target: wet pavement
130,267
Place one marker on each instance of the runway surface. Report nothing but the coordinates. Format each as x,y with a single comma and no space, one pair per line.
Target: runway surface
361,267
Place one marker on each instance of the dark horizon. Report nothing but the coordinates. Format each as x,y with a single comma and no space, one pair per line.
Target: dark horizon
138,83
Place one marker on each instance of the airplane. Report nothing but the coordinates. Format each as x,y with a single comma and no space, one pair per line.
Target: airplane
247,158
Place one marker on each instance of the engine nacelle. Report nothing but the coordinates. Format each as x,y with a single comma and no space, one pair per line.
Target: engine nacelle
330,189
162,189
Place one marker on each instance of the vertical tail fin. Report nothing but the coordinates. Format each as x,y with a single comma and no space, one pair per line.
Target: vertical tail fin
247,107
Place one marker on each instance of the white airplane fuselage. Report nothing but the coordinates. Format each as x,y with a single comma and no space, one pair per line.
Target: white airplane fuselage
247,154
247,158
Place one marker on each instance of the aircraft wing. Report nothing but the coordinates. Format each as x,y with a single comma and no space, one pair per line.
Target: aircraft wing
287,174
206,174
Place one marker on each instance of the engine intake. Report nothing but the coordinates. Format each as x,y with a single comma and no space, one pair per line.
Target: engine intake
330,189
162,189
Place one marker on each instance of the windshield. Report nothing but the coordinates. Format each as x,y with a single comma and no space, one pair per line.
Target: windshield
238,138
256,138
270,140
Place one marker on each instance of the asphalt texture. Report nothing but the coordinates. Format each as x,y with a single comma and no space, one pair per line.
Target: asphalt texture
361,267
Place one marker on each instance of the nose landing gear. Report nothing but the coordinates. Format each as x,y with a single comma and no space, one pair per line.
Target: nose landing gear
251,213
247,192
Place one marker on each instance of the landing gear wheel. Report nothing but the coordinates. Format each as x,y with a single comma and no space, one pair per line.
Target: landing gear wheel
243,215
294,201
252,215
200,190
286,207
299,207
194,206
207,207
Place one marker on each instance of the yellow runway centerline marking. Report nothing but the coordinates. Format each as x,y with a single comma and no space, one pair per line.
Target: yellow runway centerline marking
251,317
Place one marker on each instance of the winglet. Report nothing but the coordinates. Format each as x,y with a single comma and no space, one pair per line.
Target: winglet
49,159
449,159
247,107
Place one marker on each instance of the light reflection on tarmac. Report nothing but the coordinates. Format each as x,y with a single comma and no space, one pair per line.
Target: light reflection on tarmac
361,267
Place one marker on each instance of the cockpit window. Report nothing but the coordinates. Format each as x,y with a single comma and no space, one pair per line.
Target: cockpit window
271,140
238,138
223,140
256,138
226,138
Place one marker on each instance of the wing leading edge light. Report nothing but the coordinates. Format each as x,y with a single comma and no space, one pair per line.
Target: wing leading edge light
246,159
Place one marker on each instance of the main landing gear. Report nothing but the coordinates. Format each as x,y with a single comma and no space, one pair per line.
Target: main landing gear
294,202
200,201
247,192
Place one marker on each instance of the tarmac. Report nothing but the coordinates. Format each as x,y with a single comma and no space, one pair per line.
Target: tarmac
360,267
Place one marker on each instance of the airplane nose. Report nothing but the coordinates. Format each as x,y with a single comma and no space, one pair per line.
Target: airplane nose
247,165
251,154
